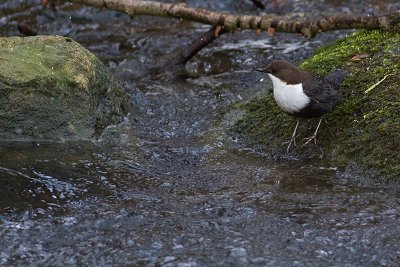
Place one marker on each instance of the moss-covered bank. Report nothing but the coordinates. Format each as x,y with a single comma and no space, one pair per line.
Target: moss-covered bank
363,129
51,88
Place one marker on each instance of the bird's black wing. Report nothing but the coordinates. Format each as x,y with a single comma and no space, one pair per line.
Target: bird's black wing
322,91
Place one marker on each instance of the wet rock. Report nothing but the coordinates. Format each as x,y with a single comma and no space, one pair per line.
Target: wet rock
260,261
168,261
51,88
238,252
187,264
240,255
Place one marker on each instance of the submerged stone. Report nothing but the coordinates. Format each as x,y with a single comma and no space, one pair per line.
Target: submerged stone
51,88
362,133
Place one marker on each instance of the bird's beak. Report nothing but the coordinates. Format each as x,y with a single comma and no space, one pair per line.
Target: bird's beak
261,70
265,70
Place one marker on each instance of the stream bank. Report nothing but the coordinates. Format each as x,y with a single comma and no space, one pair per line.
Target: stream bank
363,133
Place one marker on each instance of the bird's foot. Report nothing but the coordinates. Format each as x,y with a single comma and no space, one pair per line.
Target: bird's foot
309,139
290,142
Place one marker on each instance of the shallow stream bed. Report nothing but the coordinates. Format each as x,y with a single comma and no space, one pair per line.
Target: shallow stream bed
167,187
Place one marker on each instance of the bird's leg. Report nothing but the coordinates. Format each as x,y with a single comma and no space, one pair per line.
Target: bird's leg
314,136
293,139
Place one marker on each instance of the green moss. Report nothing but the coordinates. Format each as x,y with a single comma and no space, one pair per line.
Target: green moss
364,128
54,89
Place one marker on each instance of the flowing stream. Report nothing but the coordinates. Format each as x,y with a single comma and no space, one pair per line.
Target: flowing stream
167,187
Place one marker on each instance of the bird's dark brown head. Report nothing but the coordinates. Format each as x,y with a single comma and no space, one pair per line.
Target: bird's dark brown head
277,66
287,72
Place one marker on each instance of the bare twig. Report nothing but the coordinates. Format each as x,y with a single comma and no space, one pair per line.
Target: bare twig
258,4
195,47
377,83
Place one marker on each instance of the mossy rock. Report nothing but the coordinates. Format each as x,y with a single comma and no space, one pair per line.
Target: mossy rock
51,88
363,130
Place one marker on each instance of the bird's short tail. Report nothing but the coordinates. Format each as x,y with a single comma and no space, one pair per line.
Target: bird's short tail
336,76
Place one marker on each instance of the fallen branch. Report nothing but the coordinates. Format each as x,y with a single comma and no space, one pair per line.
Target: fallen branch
195,47
308,28
258,4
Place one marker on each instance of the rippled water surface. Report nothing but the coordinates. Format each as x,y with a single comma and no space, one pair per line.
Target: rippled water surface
166,187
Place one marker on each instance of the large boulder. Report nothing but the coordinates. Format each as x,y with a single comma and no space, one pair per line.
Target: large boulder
363,132
51,88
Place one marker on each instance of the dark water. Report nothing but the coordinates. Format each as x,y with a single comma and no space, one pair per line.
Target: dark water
166,187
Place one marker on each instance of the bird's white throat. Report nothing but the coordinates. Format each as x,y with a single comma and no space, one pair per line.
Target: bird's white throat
289,97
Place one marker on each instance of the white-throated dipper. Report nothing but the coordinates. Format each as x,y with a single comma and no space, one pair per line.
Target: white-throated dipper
303,94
